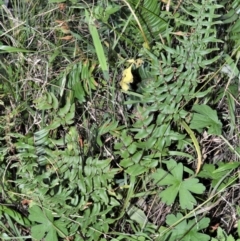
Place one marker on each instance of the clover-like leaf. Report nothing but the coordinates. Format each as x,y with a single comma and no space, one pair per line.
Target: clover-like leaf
177,186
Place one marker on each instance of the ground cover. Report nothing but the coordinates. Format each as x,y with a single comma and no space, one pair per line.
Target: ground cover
119,120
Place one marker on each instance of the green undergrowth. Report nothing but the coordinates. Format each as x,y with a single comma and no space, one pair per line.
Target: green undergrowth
82,159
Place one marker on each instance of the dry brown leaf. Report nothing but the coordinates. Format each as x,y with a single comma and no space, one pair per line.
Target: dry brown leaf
67,37
26,202
62,6
63,26
180,33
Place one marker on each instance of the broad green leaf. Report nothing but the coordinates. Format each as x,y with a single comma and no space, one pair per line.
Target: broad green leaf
136,170
177,186
208,171
46,227
169,194
126,162
144,132
193,185
132,148
222,236
137,157
162,177
187,230
41,136
109,125
206,117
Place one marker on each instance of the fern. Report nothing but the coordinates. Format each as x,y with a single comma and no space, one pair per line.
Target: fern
233,18
167,84
151,18
57,175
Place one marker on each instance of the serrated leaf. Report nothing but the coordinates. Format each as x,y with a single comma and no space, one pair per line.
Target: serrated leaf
177,186
36,214
187,230
46,226
169,195
206,117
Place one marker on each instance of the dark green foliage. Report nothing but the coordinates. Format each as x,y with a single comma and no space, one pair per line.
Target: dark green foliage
153,21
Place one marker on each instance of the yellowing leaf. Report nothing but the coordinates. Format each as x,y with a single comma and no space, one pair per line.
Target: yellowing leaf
131,61
62,6
138,63
127,78
124,86
67,37
63,26
127,75
180,33
146,46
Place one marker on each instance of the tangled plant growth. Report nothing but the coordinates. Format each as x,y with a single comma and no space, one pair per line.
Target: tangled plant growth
88,153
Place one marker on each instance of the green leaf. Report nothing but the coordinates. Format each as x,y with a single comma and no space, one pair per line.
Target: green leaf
137,215
14,215
238,227
98,45
79,92
41,136
44,102
186,198
136,170
108,126
169,194
70,115
46,227
227,166
206,117
54,101
9,49
177,186
187,230
64,110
